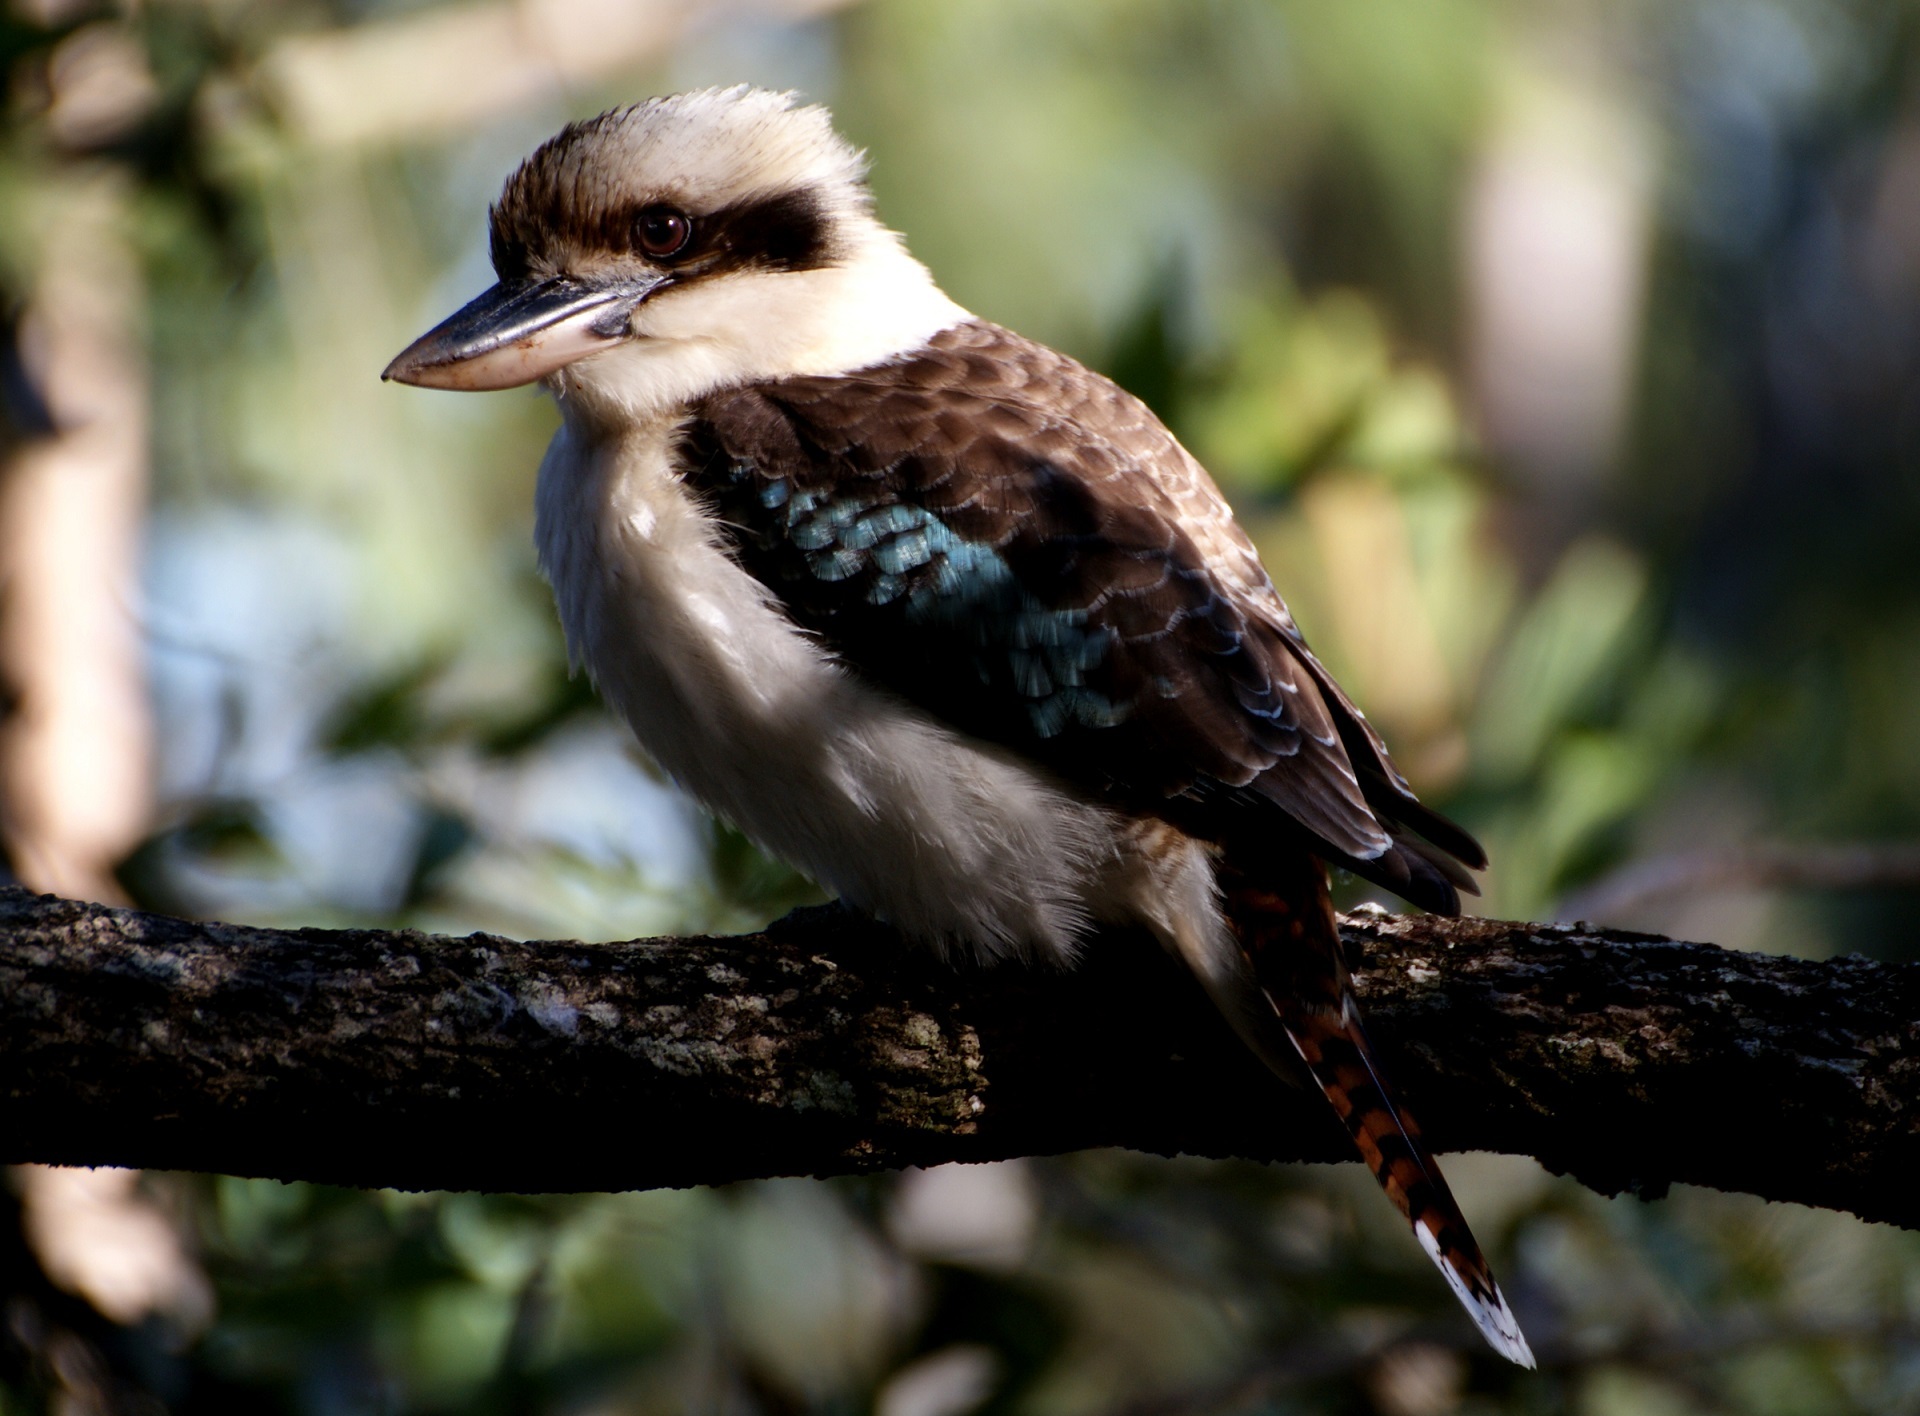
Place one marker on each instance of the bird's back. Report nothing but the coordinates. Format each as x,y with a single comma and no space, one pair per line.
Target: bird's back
1017,545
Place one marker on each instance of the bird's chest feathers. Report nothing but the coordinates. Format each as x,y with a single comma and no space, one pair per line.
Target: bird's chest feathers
686,645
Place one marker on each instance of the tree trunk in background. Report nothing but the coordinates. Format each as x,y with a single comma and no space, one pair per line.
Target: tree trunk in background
75,747
76,741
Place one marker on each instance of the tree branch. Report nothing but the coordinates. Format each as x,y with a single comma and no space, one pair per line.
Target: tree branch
825,1046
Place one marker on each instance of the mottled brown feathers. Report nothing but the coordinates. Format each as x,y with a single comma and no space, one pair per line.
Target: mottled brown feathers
1219,714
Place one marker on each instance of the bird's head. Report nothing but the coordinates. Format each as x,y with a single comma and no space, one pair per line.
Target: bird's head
679,245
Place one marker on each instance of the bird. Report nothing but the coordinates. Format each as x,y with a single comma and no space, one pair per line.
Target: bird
934,613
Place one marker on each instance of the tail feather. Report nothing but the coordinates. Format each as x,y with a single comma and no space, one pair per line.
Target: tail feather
1288,935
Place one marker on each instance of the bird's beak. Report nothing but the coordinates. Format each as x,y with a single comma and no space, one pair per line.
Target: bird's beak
522,330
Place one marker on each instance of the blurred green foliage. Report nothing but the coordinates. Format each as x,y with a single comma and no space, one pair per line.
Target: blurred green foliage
1260,215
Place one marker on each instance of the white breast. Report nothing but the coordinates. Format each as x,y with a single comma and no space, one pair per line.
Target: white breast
949,838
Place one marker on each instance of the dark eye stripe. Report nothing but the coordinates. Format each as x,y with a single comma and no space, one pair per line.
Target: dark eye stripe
789,232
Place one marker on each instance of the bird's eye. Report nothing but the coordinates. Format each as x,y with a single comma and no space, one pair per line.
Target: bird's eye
661,231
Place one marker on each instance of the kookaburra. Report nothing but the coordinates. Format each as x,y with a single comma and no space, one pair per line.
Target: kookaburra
941,617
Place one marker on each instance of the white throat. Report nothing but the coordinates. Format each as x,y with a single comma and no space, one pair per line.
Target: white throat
874,304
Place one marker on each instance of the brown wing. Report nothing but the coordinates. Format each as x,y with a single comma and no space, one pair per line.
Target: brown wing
1016,544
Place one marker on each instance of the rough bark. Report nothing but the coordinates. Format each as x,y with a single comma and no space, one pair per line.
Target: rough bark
824,1046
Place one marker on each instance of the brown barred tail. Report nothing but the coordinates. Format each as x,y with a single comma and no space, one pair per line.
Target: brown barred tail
1288,935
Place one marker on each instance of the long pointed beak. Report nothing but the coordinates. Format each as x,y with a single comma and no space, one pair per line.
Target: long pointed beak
520,331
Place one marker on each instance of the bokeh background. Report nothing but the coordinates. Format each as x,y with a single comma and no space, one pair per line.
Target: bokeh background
1562,355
